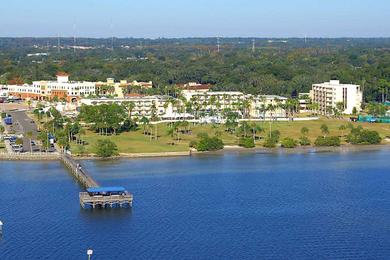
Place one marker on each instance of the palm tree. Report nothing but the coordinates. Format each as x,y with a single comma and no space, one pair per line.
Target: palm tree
324,129
256,129
129,106
29,135
342,128
271,108
145,122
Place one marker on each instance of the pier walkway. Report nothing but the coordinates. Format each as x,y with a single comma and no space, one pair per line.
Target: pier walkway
96,196
78,172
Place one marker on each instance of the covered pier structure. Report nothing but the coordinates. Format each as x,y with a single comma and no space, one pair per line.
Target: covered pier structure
106,197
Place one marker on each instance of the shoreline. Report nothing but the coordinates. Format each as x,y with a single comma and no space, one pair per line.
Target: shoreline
228,149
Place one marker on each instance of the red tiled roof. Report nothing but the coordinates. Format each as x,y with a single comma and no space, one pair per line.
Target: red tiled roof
61,73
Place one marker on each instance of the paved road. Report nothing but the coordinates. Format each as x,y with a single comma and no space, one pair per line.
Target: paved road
23,124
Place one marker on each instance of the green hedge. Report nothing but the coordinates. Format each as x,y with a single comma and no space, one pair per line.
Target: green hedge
327,141
246,142
289,143
207,143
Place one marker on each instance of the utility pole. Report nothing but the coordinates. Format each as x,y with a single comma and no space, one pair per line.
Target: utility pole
58,44
74,38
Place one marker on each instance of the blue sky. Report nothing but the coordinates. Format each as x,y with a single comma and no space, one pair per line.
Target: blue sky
195,18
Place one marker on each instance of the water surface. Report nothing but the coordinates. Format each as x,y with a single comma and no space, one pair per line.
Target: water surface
231,206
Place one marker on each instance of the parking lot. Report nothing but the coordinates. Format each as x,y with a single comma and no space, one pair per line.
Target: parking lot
21,125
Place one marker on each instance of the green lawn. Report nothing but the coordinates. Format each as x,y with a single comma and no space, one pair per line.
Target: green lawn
136,142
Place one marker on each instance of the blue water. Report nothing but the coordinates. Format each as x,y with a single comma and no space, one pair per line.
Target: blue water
232,206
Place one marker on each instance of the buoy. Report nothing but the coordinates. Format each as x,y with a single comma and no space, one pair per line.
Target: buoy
1,227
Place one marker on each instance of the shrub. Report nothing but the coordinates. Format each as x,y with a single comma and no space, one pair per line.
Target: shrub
327,141
289,143
19,141
271,141
246,142
304,141
207,143
193,144
360,136
106,148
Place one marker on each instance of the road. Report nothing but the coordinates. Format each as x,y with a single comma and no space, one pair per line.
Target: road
22,124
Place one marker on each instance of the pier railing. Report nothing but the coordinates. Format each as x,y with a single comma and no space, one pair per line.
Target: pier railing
78,172
122,200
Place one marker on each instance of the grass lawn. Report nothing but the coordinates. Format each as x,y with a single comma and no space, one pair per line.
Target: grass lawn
293,129
136,142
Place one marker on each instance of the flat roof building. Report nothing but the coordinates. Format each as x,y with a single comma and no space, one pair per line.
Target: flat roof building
328,94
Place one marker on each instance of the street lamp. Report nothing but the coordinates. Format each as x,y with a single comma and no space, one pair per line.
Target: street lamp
89,253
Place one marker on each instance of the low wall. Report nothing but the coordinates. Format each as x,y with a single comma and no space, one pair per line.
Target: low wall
29,156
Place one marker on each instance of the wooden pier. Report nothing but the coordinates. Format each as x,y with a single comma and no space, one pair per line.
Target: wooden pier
78,172
96,196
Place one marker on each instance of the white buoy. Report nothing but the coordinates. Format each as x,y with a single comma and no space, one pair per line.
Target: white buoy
1,227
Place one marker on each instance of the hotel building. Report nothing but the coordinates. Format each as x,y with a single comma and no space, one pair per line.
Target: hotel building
328,94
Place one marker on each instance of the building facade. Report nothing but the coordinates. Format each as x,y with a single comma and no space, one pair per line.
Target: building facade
144,106
62,89
329,94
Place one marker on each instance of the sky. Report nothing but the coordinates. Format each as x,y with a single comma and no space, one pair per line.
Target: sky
195,18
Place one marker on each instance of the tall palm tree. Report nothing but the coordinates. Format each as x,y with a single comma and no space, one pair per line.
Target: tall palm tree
129,106
145,122
29,135
271,108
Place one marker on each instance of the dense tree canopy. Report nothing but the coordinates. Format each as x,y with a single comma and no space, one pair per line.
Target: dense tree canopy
276,67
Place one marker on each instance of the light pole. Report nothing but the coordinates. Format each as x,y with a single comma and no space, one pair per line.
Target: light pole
89,253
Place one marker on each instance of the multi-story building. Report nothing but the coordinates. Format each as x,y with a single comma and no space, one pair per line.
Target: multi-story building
143,105
304,102
329,94
217,101
63,89
267,106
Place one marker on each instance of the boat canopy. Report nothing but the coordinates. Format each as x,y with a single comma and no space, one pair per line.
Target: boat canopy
106,189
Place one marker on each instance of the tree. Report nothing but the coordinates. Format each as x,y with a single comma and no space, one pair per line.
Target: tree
340,108
246,142
324,130
304,131
342,128
29,135
206,143
255,128
129,106
376,109
327,141
272,140
106,148
289,143
354,111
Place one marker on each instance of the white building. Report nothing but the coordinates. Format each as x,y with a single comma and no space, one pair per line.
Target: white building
64,89
143,105
267,106
4,91
329,94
